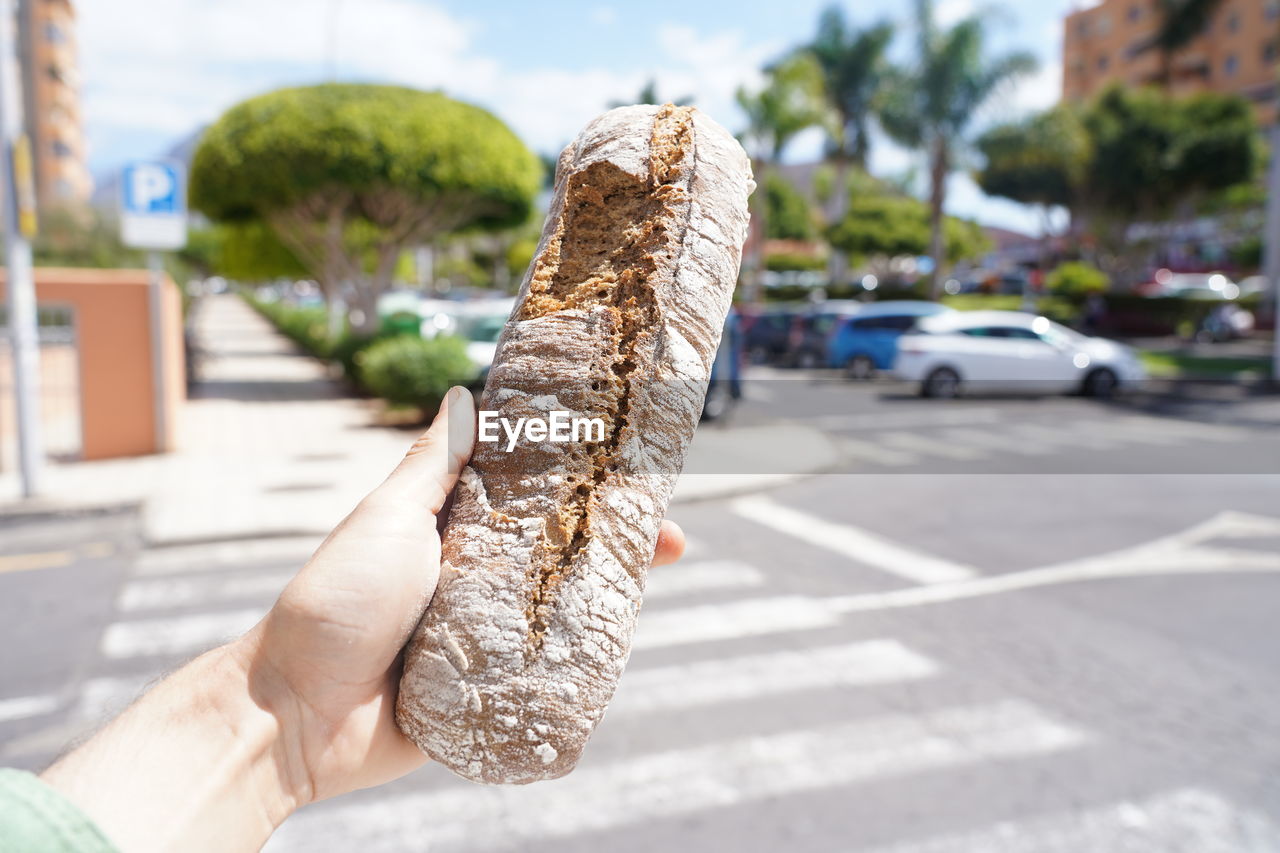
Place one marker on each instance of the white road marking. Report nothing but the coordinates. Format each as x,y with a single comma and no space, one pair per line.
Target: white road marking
930,416
670,784
1185,429
869,451
746,618
179,635
294,550
996,441
1188,819
859,545
916,443
699,577
1086,434
184,590
745,678
21,707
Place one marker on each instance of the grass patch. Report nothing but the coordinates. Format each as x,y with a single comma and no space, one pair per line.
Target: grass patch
1173,364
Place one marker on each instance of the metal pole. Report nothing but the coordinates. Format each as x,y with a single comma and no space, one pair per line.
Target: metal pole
23,329
155,299
1271,245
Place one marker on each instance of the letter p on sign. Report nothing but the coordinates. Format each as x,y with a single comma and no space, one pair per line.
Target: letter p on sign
153,205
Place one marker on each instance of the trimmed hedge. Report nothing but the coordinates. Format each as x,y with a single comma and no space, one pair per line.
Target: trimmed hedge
412,371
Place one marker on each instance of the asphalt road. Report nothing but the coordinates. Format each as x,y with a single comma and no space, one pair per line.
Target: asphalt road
998,639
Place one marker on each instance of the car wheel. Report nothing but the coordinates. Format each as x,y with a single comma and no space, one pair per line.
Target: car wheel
943,384
860,368
807,360
1101,383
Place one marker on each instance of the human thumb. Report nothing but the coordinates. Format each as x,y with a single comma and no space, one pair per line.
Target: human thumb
430,469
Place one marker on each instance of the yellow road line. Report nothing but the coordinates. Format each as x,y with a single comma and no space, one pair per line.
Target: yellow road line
31,562
53,559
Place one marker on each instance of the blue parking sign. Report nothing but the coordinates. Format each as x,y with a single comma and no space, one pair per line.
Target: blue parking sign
153,205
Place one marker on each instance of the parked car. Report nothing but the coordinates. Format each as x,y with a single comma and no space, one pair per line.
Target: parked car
868,341
479,322
1191,285
1011,351
809,344
767,334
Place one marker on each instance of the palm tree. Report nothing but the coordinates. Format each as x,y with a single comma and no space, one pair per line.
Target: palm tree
649,95
853,74
1180,22
790,102
929,107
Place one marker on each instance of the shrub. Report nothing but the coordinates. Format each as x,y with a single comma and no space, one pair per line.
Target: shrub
415,372
1077,278
783,261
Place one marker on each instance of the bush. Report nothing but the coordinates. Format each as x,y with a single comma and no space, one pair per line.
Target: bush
415,372
784,261
1077,278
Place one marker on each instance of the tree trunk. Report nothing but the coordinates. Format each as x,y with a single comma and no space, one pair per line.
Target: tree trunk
939,168
837,206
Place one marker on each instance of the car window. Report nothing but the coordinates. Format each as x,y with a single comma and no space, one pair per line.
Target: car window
898,322
1015,332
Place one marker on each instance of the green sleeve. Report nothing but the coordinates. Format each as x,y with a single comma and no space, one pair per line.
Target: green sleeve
34,818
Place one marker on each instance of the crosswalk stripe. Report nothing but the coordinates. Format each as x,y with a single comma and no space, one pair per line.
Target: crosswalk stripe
293,550
179,635
917,443
671,784
859,545
1087,434
870,451
185,590
1187,819
996,441
928,416
747,618
1147,431
21,707
701,577
1185,429
741,678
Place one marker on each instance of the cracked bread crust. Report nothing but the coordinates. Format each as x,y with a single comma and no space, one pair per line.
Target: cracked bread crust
546,548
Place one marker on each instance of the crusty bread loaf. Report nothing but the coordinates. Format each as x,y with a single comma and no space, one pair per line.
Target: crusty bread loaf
547,546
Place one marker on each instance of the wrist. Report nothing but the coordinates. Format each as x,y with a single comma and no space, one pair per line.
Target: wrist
195,764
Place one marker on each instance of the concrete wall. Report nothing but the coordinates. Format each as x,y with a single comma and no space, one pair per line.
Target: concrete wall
113,333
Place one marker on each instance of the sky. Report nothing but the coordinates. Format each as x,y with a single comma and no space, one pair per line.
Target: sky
154,72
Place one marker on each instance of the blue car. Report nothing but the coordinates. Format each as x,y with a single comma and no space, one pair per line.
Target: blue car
868,341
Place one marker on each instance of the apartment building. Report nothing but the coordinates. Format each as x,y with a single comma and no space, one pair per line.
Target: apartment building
51,101
1238,51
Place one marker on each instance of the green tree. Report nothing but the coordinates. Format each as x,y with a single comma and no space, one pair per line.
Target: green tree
1042,160
889,226
348,176
251,252
789,216
929,106
854,71
789,103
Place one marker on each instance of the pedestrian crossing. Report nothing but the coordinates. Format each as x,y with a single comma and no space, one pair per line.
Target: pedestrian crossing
910,442
720,639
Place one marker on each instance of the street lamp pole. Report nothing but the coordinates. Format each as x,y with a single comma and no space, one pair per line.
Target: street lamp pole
18,215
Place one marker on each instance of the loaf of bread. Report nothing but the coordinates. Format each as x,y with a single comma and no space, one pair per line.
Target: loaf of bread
547,546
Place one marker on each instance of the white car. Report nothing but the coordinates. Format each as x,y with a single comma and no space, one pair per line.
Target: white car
478,322
1010,351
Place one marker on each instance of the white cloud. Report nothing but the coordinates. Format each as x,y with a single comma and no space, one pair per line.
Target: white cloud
603,15
193,59
949,12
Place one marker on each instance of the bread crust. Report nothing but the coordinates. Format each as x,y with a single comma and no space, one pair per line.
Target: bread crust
546,548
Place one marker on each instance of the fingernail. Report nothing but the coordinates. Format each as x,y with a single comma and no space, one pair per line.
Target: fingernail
455,394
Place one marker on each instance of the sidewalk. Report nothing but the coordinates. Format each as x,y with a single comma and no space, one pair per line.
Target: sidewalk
270,446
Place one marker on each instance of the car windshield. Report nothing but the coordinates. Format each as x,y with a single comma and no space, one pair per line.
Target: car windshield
482,329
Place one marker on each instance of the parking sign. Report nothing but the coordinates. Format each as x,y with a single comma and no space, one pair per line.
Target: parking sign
153,205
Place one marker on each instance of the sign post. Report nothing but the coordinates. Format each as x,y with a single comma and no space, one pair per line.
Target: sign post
153,216
19,228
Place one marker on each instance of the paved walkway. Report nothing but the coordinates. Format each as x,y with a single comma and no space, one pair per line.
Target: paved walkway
269,445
